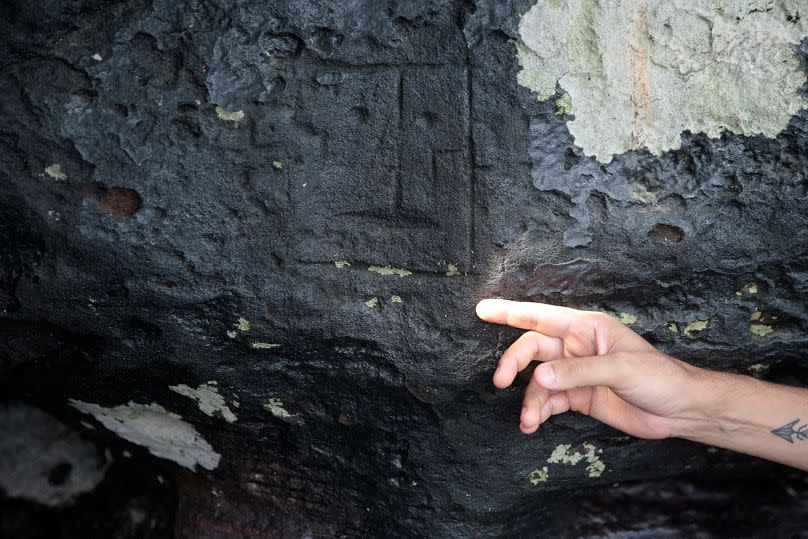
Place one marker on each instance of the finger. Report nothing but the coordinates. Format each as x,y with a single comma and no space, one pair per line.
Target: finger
534,403
525,349
558,403
548,319
563,374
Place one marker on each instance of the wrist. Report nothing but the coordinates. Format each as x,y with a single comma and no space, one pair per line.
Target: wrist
715,409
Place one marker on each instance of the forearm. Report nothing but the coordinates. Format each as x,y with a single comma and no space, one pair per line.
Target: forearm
740,413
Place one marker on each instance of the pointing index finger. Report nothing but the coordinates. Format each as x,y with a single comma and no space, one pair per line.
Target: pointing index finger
547,319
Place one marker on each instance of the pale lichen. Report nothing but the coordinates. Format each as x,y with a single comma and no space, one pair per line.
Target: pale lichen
55,172
396,299
229,116
452,271
277,165
163,433
565,454
539,475
258,345
372,302
639,74
693,328
751,288
389,270
208,399
342,264
275,407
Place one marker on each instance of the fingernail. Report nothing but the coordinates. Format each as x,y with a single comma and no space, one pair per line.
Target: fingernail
547,374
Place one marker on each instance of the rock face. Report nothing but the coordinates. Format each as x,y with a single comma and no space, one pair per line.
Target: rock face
268,223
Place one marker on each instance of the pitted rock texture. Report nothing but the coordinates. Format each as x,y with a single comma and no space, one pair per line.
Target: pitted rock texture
303,201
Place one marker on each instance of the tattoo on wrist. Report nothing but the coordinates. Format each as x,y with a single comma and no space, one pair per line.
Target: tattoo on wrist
788,431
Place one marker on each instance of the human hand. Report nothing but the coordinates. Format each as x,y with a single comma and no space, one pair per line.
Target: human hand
593,364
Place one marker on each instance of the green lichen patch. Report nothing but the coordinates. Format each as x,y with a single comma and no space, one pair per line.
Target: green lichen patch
396,299
242,325
277,165
276,407
372,302
563,105
566,455
55,172
341,264
389,270
695,327
452,271
761,323
539,476
207,397
673,328
751,288
258,345
228,116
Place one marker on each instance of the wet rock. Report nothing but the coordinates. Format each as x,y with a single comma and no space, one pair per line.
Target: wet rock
315,245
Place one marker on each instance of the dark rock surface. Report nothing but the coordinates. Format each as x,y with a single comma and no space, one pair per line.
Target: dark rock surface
239,185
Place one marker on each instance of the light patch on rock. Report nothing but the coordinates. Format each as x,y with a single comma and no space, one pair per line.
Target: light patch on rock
276,408
258,345
396,299
55,172
564,454
758,370
638,74
208,399
277,165
228,116
242,324
539,475
673,328
372,302
388,270
43,460
97,57
342,264
694,327
760,330
163,433
452,271
751,288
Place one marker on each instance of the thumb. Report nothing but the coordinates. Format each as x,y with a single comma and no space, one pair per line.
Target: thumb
609,370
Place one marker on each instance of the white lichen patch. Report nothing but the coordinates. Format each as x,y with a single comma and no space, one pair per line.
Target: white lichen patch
342,264
388,270
55,172
208,399
276,408
539,475
97,57
673,328
694,327
372,302
638,74
452,271
258,345
396,299
277,165
163,433
228,116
